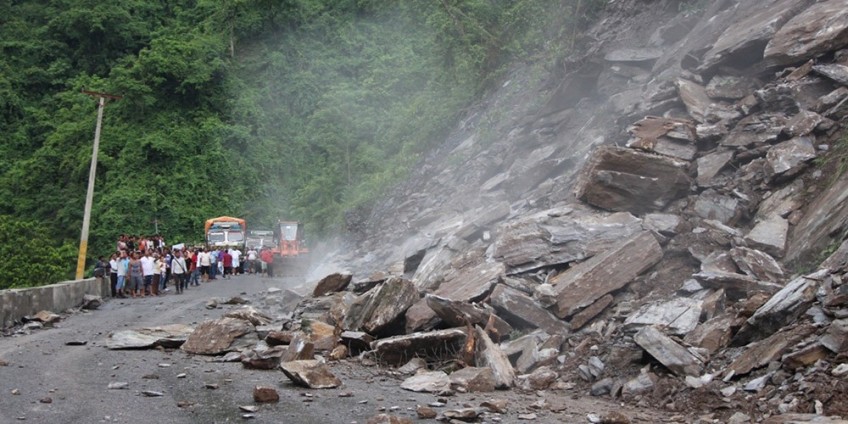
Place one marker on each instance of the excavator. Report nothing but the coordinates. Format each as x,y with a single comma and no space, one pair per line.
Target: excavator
291,256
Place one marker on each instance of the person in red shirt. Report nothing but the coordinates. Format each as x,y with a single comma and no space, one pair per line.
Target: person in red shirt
228,264
195,271
267,259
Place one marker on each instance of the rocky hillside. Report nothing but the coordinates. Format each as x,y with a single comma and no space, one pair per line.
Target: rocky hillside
660,220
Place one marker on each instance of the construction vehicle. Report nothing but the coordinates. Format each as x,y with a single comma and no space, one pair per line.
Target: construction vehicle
225,231
291,256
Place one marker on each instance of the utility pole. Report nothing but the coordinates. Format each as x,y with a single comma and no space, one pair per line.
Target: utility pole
89,195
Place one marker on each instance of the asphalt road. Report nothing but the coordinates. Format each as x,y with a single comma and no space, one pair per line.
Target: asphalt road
76,378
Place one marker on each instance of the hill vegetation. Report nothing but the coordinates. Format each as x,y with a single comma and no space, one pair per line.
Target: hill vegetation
263,109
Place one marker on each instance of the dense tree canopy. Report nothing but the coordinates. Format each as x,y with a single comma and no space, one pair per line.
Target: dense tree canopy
291,108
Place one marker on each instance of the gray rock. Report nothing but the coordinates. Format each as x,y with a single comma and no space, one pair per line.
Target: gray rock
381,307
710,165
769,235
643,54
677,316
712,205
817,29
668,352
216,336
458,314
332,283
729,87
583,284
249,314
413,366
803,123
544,239
427,381
782,202
170,336
473,379
782,308
398,350
488,354
311,374
836,338
622,179
695,98
741,42
642,383
602,387
757,264
755,129
662,223
90,302
826,215
522,311
789,157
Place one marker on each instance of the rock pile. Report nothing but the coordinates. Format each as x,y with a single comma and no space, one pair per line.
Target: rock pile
690,265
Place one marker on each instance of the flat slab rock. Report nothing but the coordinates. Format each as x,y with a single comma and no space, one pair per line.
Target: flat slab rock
782,308
398,350
381,306
817,29
586,282
427,381
621,179
522,311
311,374
672,355
489,354
678,316
172,335
216,336
332,283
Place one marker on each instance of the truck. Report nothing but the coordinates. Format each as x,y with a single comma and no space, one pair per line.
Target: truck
291,255
260,238
225,231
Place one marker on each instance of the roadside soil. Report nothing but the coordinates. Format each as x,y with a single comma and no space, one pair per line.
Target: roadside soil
41,367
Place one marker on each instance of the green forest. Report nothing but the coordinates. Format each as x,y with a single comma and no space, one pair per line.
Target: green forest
296,109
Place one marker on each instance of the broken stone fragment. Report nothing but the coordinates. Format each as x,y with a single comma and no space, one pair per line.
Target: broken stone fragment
590,312
715,206
216,336
388,419
678,316
265,394
621,179
46,317
427,381
91,302
836,337
522,311
377,310
769,235
713,335
490,355
804,357
585,283
332,283
781,309
169,336
266,359
457,314
755,129
815,30
710,165
695,97
803,123
675,357
397,350
760,353
540,379
473,379
757,264
311,374
790,157
729,87
249,314
300,348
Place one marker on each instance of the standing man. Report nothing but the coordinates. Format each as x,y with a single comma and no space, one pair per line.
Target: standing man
205,262
179,270
123,267
268,261
236,254
250,266
228,264
213,264
147,270
113,274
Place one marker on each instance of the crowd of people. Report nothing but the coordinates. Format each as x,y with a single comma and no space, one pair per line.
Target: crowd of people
143,266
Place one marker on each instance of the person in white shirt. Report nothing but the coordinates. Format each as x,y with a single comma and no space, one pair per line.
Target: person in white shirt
250,266
204,261
179,270
147,269
236,254
123,267
113,274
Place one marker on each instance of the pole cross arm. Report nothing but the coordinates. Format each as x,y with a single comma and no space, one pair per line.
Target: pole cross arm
106,95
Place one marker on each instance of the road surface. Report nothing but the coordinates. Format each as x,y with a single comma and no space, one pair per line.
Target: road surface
48,381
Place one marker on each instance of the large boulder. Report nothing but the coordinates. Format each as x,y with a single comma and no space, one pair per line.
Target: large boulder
216,336
819,28
621,179
380,309
522,311
584,283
